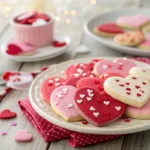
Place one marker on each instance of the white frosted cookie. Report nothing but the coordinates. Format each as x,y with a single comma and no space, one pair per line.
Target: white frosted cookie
129,38
132,90
145,73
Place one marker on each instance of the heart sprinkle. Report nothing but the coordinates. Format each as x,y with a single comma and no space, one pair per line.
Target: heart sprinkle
82,95
65,90
121,85
57,84
137,86
50,81
70,105
138,94
4,133
84,122
127,83
79,101
96,81
84,74
79,70
56,79
89,98
59,95
92,108
14,124
104,66
106,102
134,78
91,94
76,74
142,91
128,93
118,108
144,83
117,80
128,89
96,114
89,91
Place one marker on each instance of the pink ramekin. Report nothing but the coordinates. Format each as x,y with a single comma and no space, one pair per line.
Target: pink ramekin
36,35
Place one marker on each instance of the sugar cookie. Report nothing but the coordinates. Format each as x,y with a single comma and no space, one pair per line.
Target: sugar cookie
108,30
132,90
97,108
146,28
129,38
62,103
145,45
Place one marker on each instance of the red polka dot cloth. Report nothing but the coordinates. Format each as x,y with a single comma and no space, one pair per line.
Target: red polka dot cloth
51,132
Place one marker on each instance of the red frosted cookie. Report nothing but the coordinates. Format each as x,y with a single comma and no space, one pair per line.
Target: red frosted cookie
49,85
94,82
97,108
79,70
108,29
72,81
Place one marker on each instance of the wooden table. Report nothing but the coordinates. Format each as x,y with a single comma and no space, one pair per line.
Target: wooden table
137,141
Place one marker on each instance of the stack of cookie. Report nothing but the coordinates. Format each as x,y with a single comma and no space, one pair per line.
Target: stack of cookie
100,92
136,38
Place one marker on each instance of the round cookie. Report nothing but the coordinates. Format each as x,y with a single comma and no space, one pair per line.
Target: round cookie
132,90
108,30
72,81
132,22
129,38
49,85
145,45
120,66
79,70
97,108
139,113
145,73
62,103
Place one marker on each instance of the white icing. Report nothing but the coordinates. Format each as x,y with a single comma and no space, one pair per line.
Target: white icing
106,102
79,101
96,114
92,108
89,98
82,95
118,108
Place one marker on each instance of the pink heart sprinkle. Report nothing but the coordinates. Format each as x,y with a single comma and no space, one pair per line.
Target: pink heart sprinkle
14,124
4,133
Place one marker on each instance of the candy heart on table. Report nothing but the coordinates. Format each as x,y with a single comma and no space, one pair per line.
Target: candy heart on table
120,66
23,136
97,108
132,21
132,90
7,114
79,70
49,85
58,44
62,103
145,73
18,80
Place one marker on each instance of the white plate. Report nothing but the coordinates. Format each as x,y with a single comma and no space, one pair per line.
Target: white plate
42,53
111,17
44,109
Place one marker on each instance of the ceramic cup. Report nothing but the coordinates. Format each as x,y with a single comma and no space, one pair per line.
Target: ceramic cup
36,35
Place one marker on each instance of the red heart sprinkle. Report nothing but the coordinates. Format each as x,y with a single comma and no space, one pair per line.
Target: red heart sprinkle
144,83
121,85
119,67
127,83
134,78
137,86
126,120
142,91
96,81
117,80
100,88
50,84
58,44
13,49
128,89
99,100
107,113
7,74
6,114
138,94
128,93
84,122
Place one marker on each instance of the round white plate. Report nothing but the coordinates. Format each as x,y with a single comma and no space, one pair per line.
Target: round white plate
44,109
42,53
111,17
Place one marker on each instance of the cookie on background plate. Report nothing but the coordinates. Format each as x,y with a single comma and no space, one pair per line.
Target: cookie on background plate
145,45
97,108
62,103
129,38
108,30
146,28
132,90
132,22
139,113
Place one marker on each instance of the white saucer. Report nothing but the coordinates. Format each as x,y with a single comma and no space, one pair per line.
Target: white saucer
42,53
45,110
111,17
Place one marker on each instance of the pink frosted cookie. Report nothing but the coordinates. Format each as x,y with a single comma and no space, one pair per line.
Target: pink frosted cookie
49,85
120,66
132,90
110,74
145,45
79,70
139,113
97,108
62,103
18,80
72,81
145,73
132,22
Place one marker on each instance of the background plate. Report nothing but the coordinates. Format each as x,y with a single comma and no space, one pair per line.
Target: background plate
44,109
111,17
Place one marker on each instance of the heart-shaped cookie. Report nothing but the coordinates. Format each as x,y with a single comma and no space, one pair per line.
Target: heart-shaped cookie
49,85
132,90
62,103
120,66
133,22
97,108
7,114
145,73
23,136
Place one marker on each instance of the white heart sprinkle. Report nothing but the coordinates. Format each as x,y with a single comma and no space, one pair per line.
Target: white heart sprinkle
105,66
92,108
65,89
59,95
50,81
79,101
56,79
76,74
84,74
91,76
82,95
105,75
96,114
81,65
89,98
118,108
79,70
70,105
57,84
91,94
106,102
120,63
89,91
